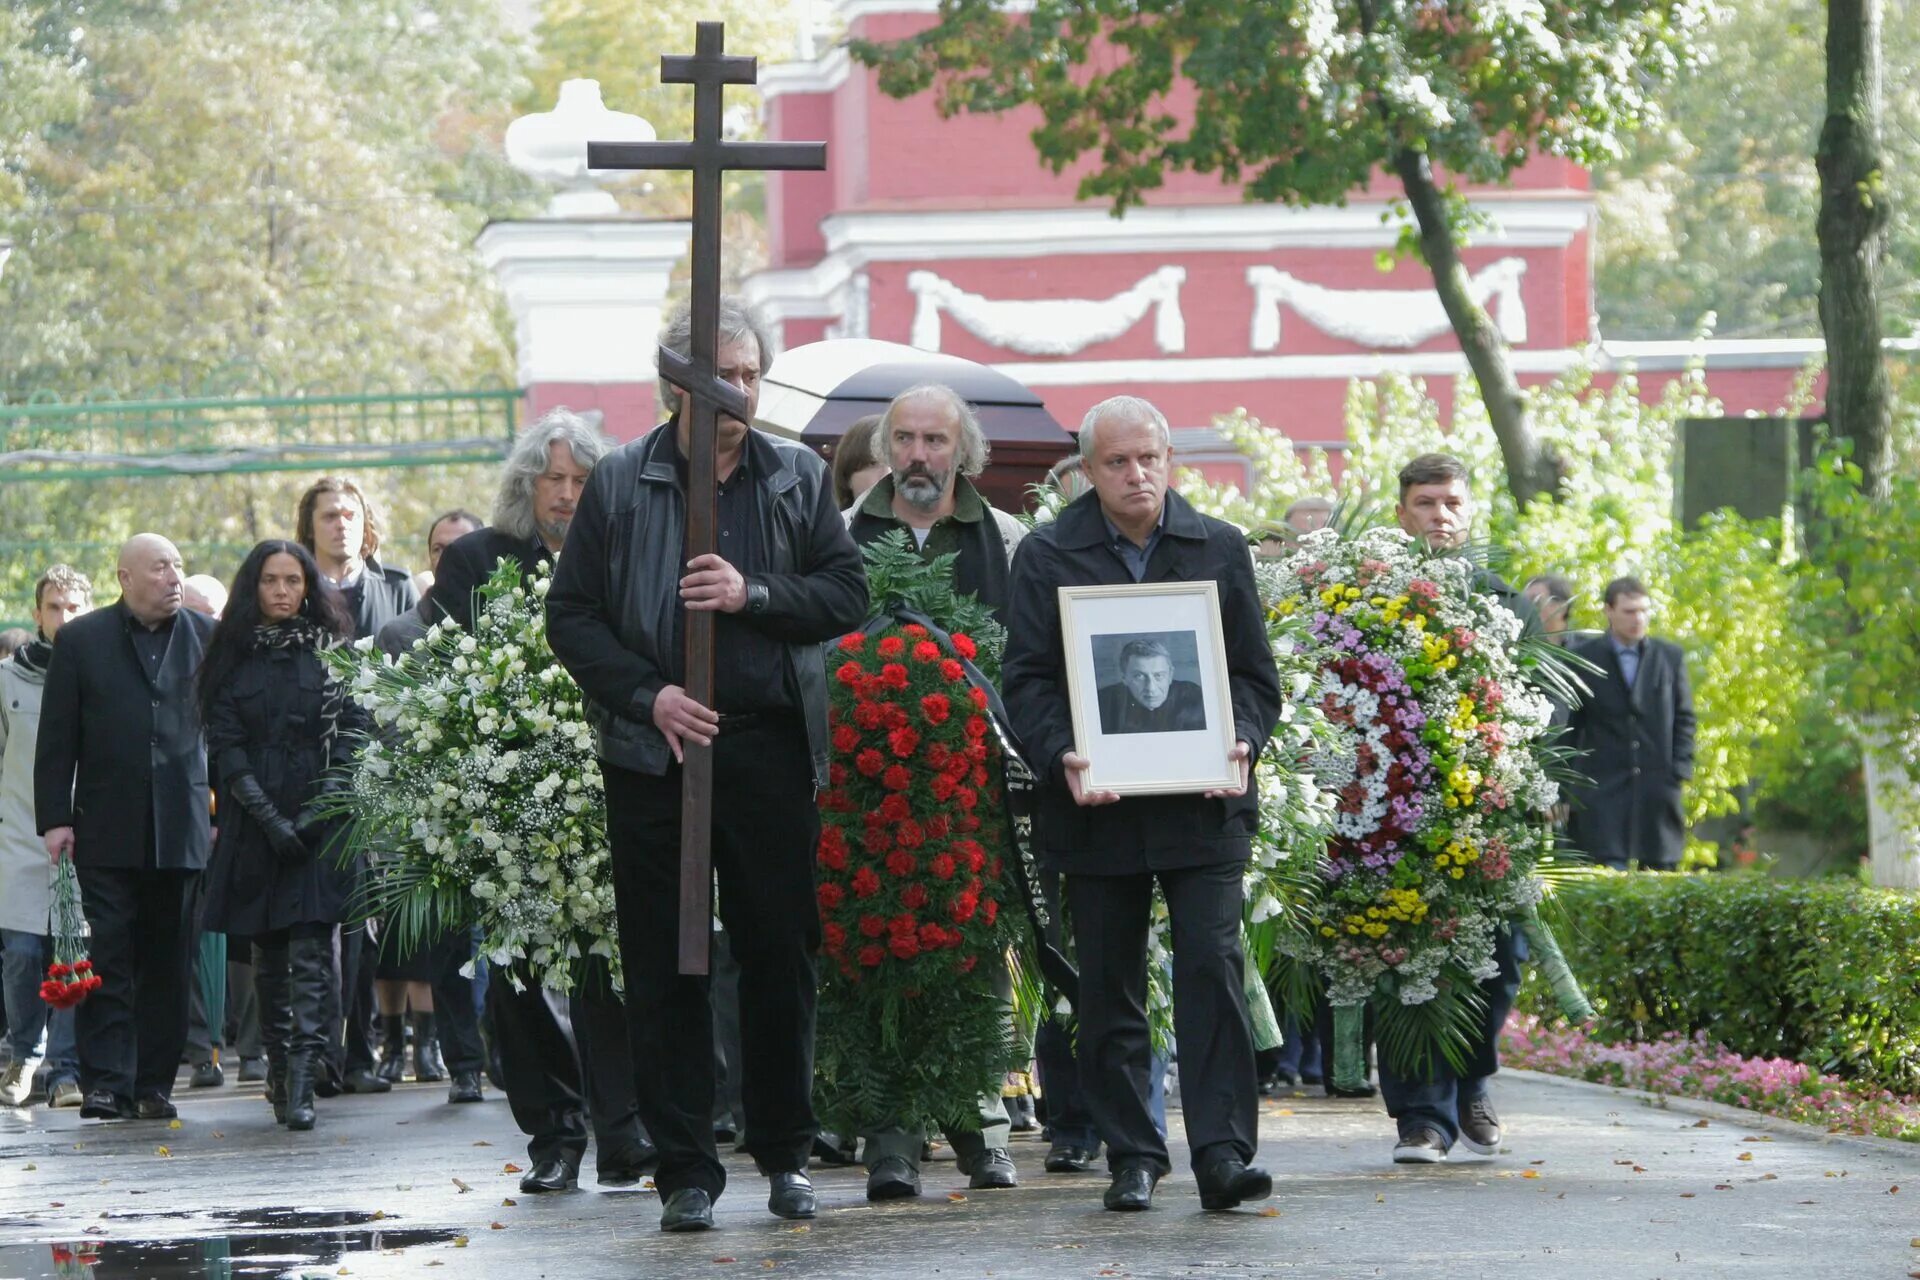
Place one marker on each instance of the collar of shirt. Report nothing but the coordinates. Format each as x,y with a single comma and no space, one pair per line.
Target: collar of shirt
968,507
165,624
680,466
1134,556
1637,649
351,581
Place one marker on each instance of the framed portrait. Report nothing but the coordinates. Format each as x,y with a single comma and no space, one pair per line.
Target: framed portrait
1147,679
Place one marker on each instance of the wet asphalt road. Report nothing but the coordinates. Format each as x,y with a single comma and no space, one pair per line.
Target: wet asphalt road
1593,1183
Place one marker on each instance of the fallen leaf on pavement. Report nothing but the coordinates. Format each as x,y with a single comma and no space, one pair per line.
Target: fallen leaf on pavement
510,1167
1769,1177
509,1202
483,1143
175,1124
464,1188
162,1151
1536,1162
379,1214
1894,1190
498,1226
459,1242
30,1168
1269,1212
1723,1186
800,1230
723,1259
955,1196
1700,1124
1623,1162
1529,1173
1686,1195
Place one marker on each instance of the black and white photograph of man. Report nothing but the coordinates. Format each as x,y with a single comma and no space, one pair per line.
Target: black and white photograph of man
1149,696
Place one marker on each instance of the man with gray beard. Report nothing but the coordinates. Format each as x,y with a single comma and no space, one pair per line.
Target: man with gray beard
933,442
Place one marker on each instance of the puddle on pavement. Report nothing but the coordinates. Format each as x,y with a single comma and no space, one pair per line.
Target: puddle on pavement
238,1243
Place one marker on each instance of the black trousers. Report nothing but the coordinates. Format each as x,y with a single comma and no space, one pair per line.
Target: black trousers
1219,1093
544,1039
459,1024
350,1036
133,1029
765,828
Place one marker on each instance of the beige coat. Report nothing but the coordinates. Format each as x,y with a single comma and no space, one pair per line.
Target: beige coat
25,896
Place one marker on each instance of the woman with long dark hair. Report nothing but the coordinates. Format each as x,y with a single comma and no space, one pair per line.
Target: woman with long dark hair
277,722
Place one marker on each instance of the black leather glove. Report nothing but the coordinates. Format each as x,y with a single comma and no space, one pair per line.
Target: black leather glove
246,789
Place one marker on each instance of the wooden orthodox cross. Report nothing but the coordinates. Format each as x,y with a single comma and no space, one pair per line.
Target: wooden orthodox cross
708,70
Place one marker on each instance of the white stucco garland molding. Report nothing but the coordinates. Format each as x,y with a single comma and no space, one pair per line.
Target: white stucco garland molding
857,239
1390,318
1050,326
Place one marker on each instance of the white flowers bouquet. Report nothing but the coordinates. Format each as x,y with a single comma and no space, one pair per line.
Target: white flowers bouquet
480,797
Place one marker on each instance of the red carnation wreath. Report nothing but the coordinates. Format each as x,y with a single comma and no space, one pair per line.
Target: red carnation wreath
909,866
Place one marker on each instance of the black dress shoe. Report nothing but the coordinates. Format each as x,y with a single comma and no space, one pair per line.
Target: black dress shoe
791,1195
363,1082
993,1171
155,1107
893,1178
1132,1189
626,1168
1064,1157
688,1209
549,1175
1224,1184
102,1105
465,1087
1364,1091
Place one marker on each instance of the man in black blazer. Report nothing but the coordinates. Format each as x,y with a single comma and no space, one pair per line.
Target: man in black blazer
1131,529
1635,732
120,786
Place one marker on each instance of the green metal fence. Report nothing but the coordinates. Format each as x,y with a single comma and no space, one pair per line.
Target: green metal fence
44,440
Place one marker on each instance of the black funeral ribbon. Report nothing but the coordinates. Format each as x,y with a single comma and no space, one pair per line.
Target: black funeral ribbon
1022,871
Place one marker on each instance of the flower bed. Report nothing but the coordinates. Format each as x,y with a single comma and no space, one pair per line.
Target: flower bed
1697,1067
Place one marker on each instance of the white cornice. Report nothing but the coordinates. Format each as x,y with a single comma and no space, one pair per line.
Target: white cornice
820,75
946,234
1077,373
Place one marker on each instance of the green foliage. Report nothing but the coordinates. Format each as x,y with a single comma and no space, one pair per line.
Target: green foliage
909,1060
1302,102
236,197
899,577
1821,971
1712,210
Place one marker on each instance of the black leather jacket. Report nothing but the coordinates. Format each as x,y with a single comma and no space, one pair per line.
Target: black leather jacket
616,587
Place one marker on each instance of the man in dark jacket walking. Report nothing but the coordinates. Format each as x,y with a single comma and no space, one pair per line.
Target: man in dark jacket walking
1634,731
566,1063
341,527
120,786
786,580
1131,529
1431,1112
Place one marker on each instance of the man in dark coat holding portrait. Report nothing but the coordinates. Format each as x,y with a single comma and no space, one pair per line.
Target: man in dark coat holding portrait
1130,529
1634,731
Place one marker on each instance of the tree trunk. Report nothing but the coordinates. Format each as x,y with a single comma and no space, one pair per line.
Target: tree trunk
1893,814
1531,470
1852,231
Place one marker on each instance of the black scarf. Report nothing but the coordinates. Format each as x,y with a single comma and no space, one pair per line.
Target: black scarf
303,633
34,656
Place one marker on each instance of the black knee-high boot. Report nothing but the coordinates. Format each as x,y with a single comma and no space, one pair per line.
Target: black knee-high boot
428,1065
311,979
276,1016
393,1048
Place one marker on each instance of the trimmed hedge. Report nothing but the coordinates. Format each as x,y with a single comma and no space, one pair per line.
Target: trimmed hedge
1825,972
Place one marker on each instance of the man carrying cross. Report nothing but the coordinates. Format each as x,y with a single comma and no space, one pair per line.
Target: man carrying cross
785,579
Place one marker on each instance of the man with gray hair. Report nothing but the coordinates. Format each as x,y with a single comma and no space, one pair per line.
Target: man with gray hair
1130,529
932,441
563,1066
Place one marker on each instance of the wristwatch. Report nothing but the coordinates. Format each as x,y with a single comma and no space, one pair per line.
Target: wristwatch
756,597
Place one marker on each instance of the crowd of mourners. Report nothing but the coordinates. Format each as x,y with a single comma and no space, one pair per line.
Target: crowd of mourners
183,746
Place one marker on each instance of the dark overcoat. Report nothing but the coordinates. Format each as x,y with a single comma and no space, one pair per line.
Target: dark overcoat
120,758
385,594
1636,748
266,719
1138,833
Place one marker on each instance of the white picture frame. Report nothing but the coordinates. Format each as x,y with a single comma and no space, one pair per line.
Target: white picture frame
1148,684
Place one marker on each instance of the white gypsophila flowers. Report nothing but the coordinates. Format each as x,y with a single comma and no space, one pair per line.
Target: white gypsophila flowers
483,783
